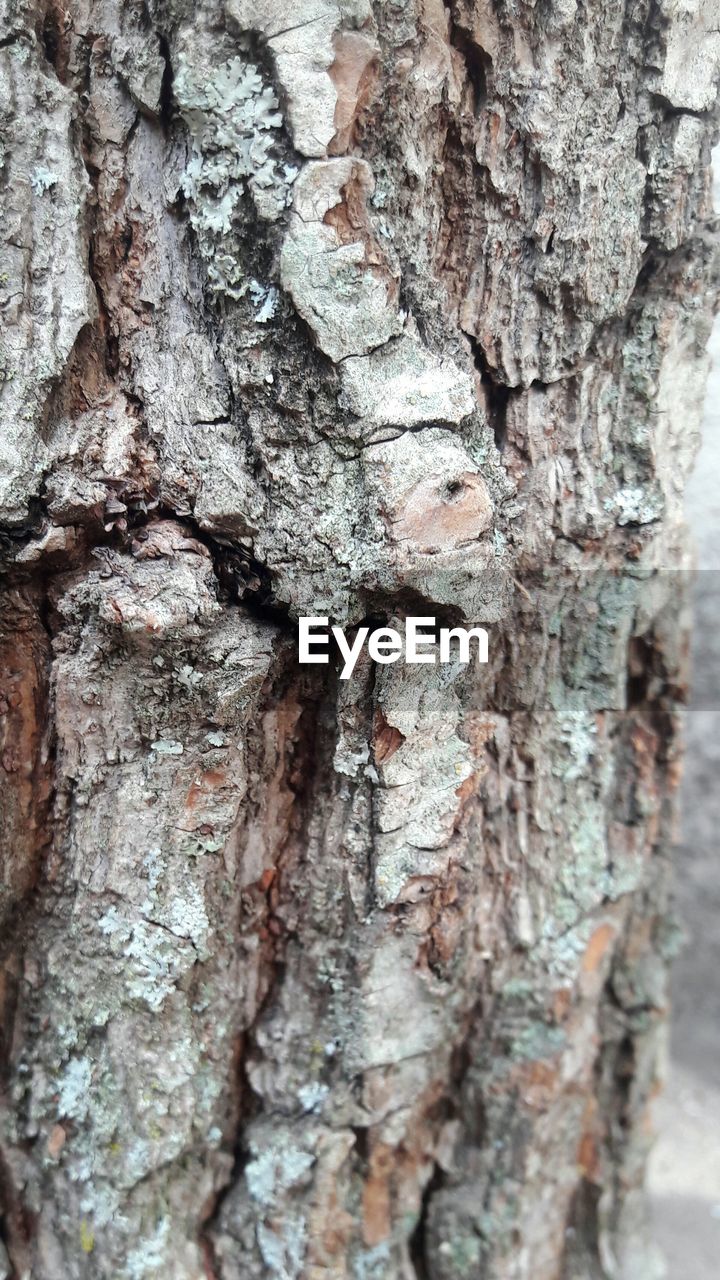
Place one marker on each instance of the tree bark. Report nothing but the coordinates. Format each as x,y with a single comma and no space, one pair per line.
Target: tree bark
360,311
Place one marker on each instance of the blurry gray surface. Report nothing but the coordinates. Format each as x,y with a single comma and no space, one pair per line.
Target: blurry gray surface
685,1170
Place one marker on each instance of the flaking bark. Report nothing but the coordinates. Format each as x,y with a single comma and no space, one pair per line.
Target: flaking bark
356,310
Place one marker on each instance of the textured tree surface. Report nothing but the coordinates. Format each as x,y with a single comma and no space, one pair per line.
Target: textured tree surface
357,310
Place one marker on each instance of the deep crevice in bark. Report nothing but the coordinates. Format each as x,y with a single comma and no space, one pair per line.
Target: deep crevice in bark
477,61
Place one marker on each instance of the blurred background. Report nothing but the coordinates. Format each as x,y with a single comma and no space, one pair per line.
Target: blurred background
685,1169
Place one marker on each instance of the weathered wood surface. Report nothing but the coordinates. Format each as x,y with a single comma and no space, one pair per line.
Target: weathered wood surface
356,310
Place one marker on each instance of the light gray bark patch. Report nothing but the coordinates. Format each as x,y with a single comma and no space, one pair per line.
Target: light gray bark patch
334,270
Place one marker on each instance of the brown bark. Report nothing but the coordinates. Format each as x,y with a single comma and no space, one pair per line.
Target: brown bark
363,311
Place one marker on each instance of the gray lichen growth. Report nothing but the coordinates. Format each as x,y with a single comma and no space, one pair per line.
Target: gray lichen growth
233,120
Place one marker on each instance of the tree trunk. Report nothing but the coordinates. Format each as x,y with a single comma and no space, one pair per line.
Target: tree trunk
357,311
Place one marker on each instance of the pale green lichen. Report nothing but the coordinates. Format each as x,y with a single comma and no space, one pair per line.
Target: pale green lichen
42,179
266,299
167,747
154,961
635,505
233,121
188,678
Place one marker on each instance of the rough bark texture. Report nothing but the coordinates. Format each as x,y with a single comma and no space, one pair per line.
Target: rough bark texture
358,310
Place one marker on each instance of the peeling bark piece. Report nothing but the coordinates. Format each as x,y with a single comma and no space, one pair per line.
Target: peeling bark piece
352,72
333,269
688,79
677,180
386,738
139,62
418,800
404,385
434,497
436,508
55,545
302,48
